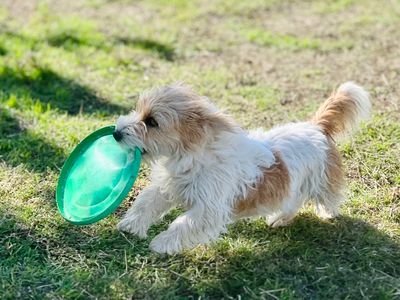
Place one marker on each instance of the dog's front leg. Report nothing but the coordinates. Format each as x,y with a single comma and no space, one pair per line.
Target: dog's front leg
149,206
196,226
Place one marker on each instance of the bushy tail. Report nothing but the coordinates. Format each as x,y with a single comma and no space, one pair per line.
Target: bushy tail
343,110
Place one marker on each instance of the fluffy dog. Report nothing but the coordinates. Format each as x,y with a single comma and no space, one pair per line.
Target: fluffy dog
217,172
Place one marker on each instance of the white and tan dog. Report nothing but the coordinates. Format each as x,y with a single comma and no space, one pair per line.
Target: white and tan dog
204,162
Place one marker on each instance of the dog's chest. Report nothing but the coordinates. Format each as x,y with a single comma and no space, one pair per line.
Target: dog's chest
185,188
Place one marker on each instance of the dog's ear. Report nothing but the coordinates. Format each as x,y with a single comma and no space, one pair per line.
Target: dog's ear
219,122
198,118
200,122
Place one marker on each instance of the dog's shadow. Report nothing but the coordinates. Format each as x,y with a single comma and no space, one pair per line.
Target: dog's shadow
311,254
301,260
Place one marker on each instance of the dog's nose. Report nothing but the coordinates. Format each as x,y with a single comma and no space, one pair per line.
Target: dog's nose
117,135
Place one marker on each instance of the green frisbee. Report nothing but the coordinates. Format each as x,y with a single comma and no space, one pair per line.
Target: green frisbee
96,177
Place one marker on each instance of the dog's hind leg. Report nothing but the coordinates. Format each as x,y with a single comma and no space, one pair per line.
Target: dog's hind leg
287,212
327,205
280,220
330,196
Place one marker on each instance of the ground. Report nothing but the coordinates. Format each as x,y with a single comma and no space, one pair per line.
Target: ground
70,67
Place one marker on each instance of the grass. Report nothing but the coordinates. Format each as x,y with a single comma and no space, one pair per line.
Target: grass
289,42
69,67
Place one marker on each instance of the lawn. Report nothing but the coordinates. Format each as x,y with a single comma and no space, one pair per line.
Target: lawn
70,67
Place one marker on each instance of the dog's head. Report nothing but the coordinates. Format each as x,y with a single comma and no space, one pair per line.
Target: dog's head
171,120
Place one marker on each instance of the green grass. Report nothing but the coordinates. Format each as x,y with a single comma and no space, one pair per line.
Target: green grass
334,6
290,42
69,67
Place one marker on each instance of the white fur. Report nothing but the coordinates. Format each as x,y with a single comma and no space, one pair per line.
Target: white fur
361,98
208,180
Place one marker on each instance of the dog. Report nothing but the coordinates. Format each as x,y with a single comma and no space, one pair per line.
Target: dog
205,163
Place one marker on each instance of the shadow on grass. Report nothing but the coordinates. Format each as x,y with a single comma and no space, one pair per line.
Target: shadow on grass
70,40
20,146
62,264
49,88
310,259
3,51
26,262
164,51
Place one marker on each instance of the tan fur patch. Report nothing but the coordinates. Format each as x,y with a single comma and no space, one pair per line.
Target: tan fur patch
336,114
334,170
143,107
269,192
191,128
195,126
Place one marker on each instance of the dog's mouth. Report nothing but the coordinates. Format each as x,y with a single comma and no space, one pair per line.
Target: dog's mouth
131,142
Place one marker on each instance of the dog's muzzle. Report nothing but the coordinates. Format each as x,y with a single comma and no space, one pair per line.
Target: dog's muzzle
117,135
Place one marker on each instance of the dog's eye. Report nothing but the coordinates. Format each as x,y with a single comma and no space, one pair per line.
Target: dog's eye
150,122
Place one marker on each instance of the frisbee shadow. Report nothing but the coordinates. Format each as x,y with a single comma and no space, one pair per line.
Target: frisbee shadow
20,146
52,91
306,250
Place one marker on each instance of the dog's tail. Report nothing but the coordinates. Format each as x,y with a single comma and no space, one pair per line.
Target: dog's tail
343,110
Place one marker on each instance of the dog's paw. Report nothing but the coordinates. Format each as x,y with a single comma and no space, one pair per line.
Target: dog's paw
280,221
134,225
167,242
